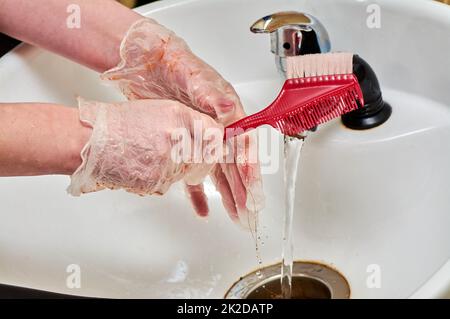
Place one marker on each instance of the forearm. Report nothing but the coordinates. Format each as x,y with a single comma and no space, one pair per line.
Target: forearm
39,139
43,23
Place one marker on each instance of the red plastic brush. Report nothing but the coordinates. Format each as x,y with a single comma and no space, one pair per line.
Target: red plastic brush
320,87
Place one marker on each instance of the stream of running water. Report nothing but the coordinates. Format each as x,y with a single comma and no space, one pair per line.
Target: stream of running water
292,151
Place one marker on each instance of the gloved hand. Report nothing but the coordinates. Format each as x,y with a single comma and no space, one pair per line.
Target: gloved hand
155,63
132,147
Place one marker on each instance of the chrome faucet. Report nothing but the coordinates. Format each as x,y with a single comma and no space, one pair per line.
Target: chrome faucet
292,33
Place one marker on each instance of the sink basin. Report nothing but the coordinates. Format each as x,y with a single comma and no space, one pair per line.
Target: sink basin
375,198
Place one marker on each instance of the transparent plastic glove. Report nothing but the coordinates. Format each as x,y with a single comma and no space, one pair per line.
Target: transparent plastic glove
155,63
132,146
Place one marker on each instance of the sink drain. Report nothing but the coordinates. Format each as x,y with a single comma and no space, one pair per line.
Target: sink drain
309,281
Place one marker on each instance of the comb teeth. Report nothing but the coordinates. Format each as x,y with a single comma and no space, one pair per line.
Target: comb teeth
318,111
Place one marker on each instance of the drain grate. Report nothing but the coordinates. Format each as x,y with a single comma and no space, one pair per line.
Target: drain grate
310,281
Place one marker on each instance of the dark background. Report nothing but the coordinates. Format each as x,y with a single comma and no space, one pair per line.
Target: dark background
7,43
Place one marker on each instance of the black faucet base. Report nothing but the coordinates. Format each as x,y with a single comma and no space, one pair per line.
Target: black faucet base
375,110
364,121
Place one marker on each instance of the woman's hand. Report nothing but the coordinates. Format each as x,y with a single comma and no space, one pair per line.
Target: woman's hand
139,146
155,64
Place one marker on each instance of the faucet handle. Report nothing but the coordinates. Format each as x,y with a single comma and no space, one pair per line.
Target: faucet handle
277,20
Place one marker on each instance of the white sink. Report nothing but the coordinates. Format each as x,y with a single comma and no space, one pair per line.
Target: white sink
379,196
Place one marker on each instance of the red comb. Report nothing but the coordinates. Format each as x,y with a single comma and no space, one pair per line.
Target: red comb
304,103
